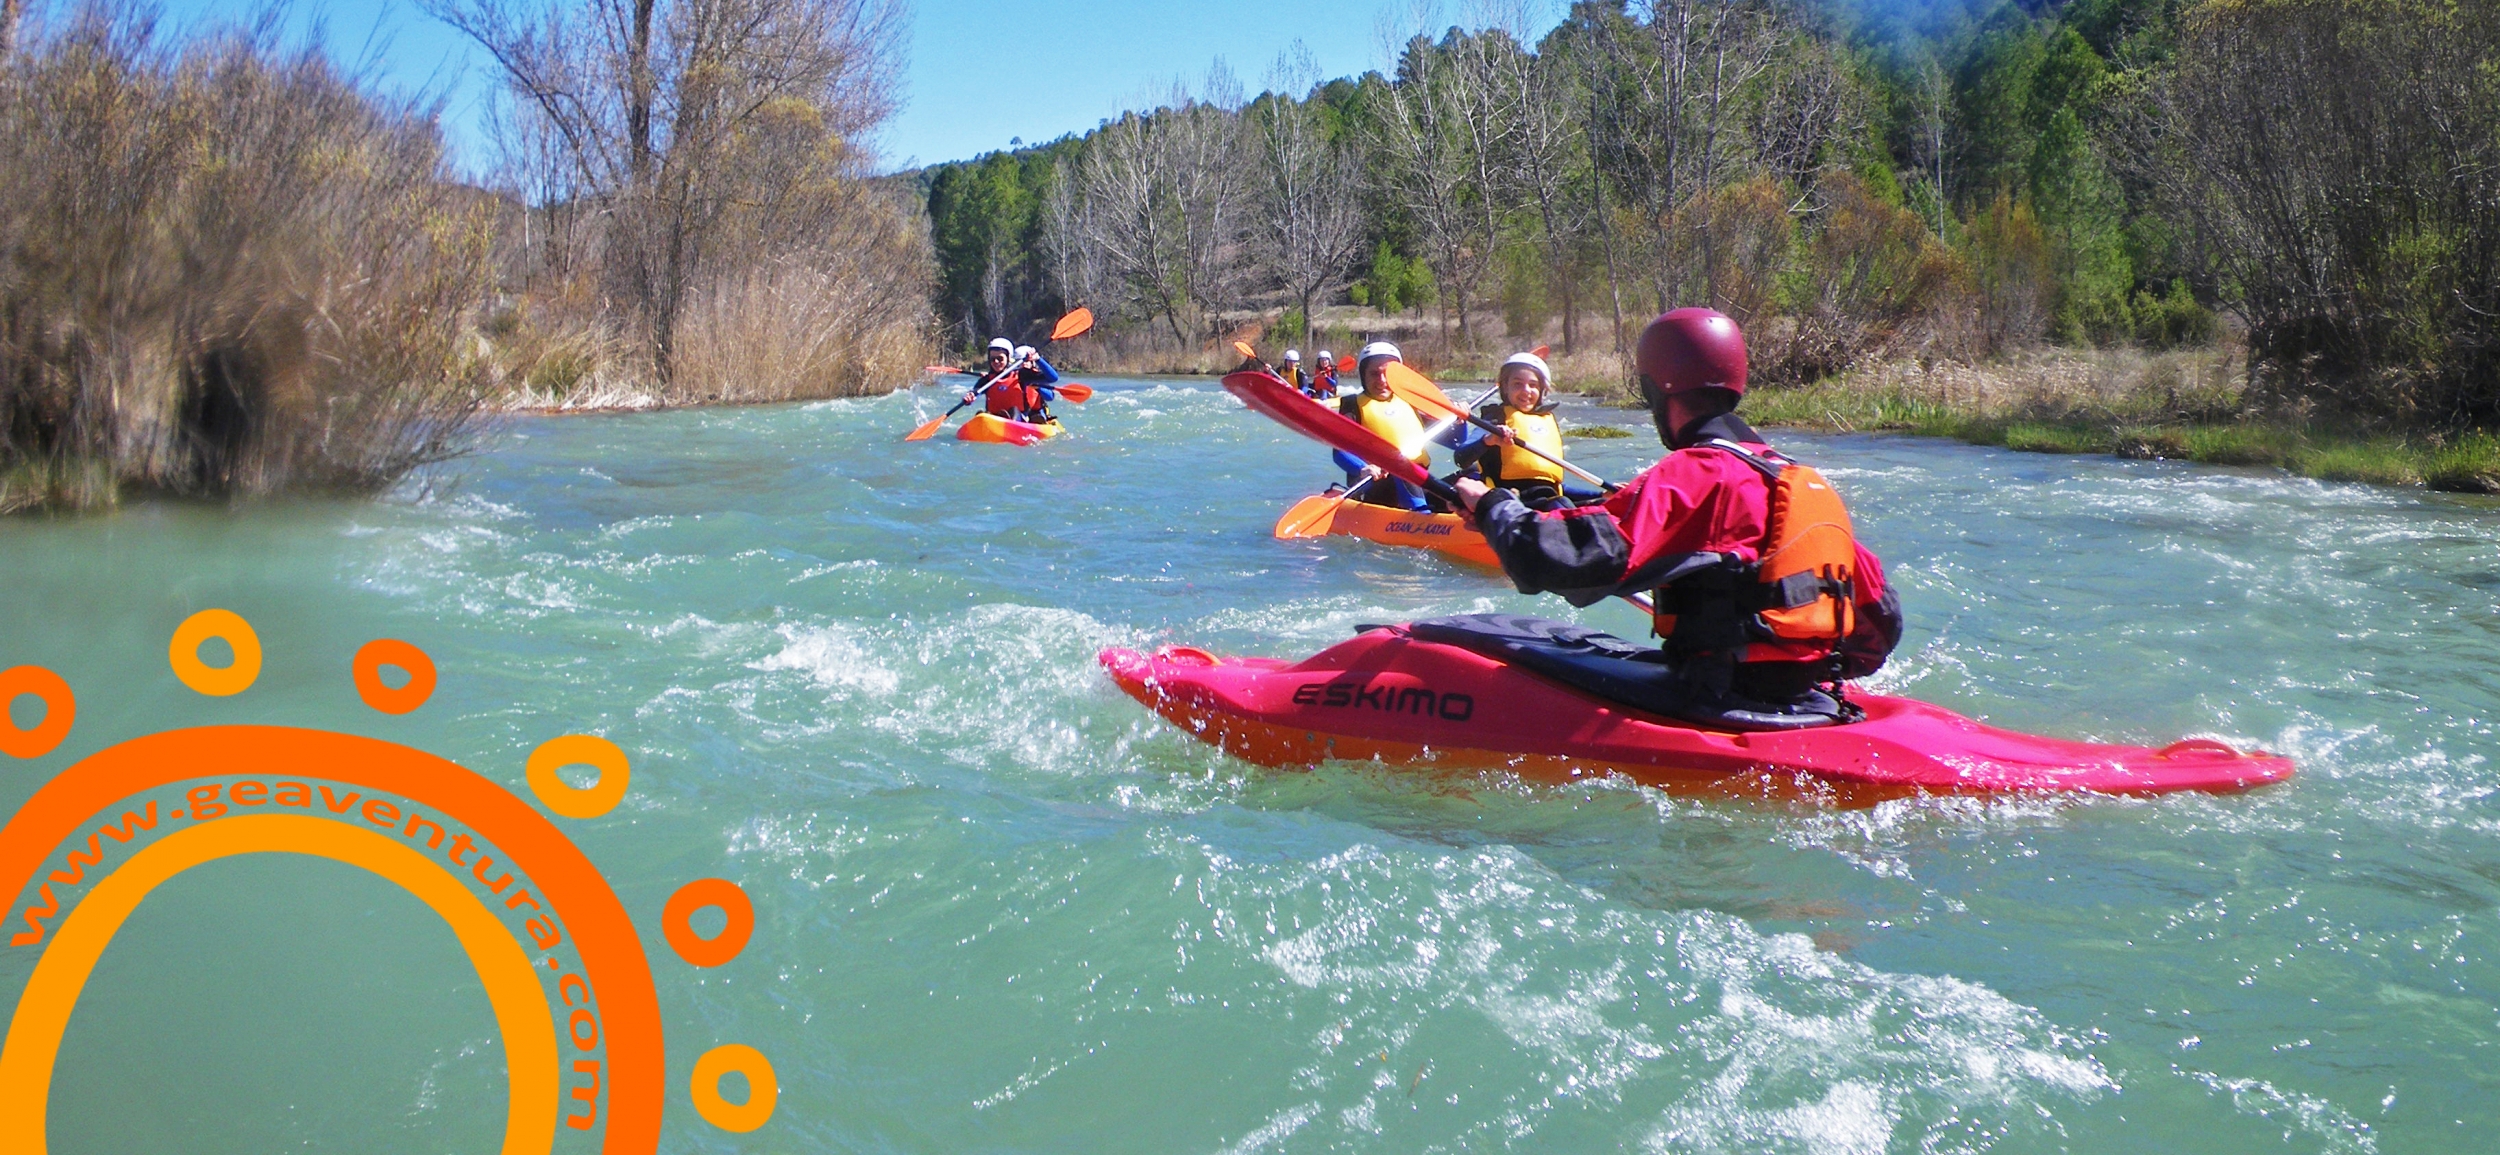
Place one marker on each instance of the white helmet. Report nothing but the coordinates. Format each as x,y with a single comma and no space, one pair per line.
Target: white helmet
1023,351
1326,361
1003,345
1532,361
1378,349
1293,354
1544,376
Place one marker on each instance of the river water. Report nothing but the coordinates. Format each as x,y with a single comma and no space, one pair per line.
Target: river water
1001,907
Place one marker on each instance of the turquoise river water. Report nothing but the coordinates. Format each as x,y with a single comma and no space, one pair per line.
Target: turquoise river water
1002,908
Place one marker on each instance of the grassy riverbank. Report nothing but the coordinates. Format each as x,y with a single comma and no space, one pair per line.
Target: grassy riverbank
2184,405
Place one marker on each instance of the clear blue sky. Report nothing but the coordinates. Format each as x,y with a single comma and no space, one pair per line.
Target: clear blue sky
980,74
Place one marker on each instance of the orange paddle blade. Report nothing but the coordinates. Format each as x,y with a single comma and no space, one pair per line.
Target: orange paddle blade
1072,325
942,369
1542,350
1420,392
1076,392
1247,353
1310,517
927,431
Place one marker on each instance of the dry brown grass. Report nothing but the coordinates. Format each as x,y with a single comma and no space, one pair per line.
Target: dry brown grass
224,271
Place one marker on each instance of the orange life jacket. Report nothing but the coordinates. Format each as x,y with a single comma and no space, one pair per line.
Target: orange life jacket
1798,601
1012,399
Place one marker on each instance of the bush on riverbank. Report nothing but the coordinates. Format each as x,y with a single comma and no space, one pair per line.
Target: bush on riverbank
224,271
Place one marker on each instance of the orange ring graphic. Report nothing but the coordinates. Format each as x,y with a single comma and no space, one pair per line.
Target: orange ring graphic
43,1011
675,921
382,652
763,1091
60,707
579,750
184,653
612,961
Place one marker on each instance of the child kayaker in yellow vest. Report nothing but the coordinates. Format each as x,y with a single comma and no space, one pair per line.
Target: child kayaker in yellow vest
1379,409
1524,419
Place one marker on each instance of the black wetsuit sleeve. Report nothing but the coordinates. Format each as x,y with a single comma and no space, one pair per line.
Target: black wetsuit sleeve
1578,553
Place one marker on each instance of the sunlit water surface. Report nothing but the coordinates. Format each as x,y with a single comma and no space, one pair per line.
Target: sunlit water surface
1003,908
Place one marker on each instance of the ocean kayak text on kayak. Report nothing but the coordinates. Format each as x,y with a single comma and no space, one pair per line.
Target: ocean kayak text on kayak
1369,695
1426,528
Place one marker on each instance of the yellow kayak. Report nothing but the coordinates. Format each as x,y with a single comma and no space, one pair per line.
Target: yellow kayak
1445,532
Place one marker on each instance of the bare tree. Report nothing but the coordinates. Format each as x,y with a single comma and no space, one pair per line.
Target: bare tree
1119,210
1158,200
1453,123
665,115
1202,148
1310,212
1079,269
1934,96
1707,51
1550,159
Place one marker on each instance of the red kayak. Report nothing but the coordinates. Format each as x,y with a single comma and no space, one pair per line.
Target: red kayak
1552,706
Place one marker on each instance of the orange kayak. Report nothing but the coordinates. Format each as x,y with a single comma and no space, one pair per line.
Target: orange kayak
1311,517
990,427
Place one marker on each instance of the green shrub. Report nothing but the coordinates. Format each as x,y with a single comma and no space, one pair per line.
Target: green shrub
2173,320
2030,437
2468,465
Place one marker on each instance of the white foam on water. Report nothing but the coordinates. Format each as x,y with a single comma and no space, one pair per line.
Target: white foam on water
839,658
1745,1041
1278,1128
2298,1114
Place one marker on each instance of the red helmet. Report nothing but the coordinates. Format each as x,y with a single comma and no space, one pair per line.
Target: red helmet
1692,349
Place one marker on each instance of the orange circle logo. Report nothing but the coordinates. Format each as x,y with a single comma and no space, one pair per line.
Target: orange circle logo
564,970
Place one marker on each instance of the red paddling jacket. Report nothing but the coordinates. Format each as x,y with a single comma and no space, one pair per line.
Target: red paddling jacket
1694,528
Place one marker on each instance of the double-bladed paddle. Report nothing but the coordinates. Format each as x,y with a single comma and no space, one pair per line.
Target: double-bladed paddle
1419,391
1272,396
1074,324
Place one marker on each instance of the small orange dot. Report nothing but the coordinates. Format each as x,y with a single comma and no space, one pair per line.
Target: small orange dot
382,652
677,916
60,707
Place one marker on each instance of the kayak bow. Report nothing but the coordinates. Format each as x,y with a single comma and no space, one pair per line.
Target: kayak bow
990,427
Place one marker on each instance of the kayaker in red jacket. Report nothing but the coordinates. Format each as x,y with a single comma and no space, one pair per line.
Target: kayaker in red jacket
1023,393
1695,528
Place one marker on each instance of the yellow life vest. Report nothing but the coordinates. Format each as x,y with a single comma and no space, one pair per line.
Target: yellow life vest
1536,431
1395,421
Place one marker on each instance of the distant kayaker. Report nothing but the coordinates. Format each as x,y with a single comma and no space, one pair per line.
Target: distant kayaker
1323,380
1699,529
1379,409
1023,393
1523,416
1292,370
